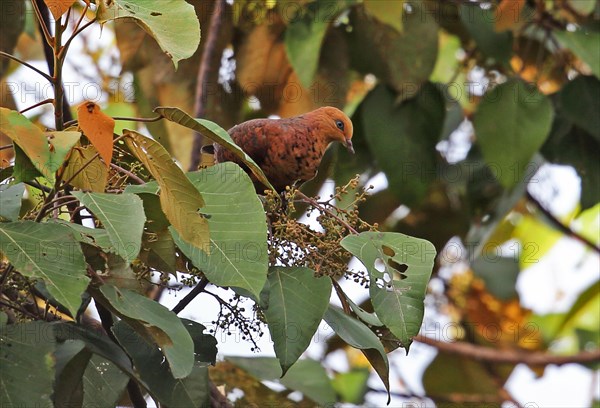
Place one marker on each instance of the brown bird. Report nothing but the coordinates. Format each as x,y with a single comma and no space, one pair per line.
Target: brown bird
289,150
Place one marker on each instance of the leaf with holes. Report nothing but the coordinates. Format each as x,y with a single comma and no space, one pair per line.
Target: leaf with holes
399,269
294,306
98,127
181,202
50,252
152,321
172,23
122,216
215,133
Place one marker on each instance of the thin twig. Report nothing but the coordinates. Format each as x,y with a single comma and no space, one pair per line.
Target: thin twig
562,227
316,204
481,353
208,54
10,146
142,120
65,48
127,173
37,185
199,288
35,105
31,67
37,7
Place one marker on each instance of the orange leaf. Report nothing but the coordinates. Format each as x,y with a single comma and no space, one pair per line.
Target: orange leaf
58,7
98,128
508,14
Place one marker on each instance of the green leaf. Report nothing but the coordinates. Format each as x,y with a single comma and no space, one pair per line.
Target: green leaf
205,345
103,383
303,39
27,365
98,344
179,200
237,222
583,7
71,361
12,24
92,236
47,251
294,306
403,60
587,224
580,103
403,138
172,23
155,322
499,275
480,23
441,377
571,145
352,386
61,144
359,336
584,44
188,391
11,197
388,12
123,218
399,268
511,123
29,138
215,133
583,313
159,252
307,376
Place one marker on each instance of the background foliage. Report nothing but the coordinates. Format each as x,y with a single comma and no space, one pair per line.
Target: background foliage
459,109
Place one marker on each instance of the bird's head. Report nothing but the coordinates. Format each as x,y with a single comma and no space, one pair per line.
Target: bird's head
335,125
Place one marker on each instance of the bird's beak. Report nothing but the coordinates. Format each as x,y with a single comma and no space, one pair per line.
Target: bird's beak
349,146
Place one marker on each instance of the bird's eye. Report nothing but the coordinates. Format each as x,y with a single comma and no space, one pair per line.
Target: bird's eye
339,124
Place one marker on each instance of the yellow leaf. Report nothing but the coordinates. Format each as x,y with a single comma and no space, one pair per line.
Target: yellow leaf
98,128
93,177
179,199
58,7
388,12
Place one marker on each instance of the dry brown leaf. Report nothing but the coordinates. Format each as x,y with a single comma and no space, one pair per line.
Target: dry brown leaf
58,7
98,128
508,14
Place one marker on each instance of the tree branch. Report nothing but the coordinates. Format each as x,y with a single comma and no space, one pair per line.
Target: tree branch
560,226
190,296
208,53
535,358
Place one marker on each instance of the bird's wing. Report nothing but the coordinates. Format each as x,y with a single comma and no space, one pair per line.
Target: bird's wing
252,138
